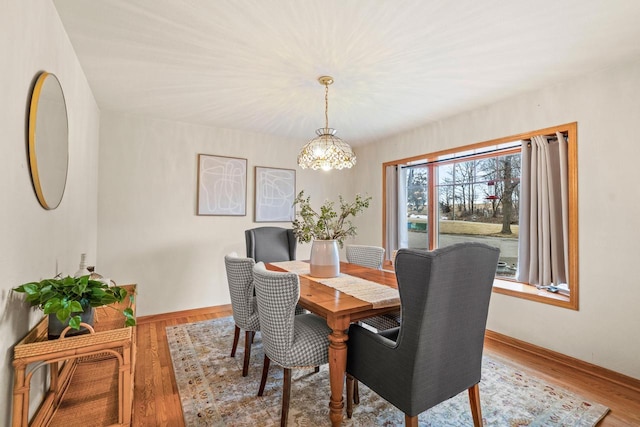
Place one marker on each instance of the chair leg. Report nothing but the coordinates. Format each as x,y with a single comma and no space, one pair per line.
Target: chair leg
247,352
474,401
356,392
410,421
265,372
236,336
286,394
349,395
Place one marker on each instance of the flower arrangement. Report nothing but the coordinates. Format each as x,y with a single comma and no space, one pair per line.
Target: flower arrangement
328,224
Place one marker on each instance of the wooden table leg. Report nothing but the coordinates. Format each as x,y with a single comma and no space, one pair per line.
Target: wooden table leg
337,365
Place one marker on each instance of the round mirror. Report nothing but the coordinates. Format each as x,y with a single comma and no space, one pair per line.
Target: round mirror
48,141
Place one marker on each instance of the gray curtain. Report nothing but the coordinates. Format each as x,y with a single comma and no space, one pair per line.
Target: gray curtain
543,256
396,208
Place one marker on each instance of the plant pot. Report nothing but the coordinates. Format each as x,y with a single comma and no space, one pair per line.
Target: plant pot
56,327
325,259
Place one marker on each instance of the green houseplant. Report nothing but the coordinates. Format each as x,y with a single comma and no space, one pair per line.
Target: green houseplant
66,298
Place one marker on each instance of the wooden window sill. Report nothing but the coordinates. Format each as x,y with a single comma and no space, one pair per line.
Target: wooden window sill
525,291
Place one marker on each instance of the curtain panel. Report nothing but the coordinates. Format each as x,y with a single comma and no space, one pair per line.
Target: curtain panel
396,235
543,256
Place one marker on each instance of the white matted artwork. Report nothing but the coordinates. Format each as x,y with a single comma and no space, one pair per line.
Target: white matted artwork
222,185
275,192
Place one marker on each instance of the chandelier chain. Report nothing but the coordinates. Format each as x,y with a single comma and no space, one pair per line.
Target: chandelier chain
326,105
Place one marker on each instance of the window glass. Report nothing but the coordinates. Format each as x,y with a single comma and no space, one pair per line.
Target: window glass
478,201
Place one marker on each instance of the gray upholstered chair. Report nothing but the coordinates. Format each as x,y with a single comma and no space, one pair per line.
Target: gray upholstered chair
437,351
271,244
290,341
243,303
372,257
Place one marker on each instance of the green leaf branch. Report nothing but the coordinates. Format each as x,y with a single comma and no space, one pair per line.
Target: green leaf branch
328,224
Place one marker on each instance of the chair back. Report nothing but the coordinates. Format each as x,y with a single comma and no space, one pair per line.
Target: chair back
445,300
367,256
277,295
240,281
271,244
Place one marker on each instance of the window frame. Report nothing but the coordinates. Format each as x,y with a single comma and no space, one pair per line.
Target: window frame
508,286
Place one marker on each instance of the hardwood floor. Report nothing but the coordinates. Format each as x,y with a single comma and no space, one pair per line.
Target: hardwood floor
156,401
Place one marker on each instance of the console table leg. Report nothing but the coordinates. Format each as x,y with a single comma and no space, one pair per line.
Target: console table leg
20,399
126,378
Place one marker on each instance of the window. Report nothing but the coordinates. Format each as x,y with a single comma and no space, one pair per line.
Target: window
473,193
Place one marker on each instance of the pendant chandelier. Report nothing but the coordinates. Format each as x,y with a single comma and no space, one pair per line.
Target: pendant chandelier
326,151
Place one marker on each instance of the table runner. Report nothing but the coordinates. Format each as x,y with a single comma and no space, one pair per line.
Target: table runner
374,293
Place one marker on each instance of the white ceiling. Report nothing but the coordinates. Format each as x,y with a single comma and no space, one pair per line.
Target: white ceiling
397,64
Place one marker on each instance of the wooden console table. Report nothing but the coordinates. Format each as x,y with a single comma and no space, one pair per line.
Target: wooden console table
91,375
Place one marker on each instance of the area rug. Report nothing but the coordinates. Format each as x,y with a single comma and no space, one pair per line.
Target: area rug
214,393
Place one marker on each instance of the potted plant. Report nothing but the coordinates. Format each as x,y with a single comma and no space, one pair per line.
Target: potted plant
327,230
71,300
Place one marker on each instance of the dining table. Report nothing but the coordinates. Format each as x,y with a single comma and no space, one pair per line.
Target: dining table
340,309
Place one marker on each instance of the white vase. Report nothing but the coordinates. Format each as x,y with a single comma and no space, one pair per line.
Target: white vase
82,269
325,258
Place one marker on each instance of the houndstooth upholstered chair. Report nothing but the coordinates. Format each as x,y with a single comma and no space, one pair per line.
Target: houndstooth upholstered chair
372,257
437,351
290,341
243,303
367,256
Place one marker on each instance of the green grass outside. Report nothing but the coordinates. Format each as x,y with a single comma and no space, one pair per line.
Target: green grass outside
476,228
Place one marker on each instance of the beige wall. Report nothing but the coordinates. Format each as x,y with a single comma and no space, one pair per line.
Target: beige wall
35,243
606,106
148,230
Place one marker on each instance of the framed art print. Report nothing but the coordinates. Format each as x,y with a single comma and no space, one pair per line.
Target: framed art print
275,191
222,185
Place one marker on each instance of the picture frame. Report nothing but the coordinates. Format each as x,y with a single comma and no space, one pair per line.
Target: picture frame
222,185
275,191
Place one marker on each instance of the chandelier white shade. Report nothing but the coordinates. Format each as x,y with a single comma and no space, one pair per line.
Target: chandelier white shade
326,151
